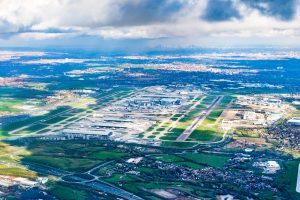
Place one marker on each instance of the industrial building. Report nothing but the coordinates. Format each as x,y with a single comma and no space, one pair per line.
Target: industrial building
85,134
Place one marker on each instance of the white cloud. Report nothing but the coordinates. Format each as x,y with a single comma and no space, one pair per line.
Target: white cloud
39,35
36,19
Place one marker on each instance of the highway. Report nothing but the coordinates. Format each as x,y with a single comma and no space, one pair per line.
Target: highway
199,119
94,184
105,187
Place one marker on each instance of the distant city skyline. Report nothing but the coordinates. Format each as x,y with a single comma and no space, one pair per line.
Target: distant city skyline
149,23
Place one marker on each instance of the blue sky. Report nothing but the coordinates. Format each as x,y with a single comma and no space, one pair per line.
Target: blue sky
150,23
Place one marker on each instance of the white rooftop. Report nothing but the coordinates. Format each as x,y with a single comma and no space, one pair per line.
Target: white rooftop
84,131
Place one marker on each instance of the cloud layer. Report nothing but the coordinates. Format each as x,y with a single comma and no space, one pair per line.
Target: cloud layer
148,19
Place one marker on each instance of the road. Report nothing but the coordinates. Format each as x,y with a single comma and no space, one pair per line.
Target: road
99,185
90,172
199,119
94,184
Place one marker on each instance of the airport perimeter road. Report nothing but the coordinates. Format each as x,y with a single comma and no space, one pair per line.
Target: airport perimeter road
199,119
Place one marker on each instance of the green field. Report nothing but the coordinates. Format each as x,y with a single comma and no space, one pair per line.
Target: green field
67,193
71,155
189,117
107,155
10,154
213,116
163,179
119,177
9,105
209,130
212,160
16,172
245,133
194,160
178,144
36,127
207,100
287,180
31,120
174,133
138,185
55,120
64,163
43,131
168,158
178,160
205,134
23,94
186,120
13,105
